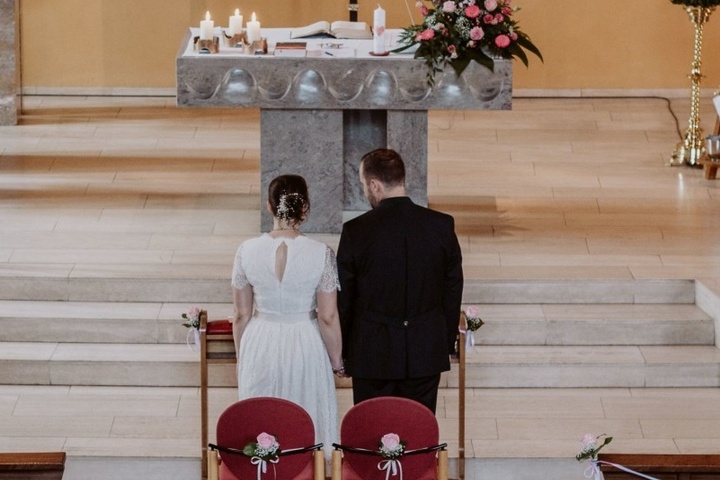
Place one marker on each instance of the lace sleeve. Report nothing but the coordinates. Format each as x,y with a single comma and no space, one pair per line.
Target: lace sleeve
239,280
329,281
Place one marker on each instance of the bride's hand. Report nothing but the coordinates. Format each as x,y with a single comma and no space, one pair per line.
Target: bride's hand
340,372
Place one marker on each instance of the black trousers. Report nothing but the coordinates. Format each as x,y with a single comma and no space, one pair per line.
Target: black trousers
423,389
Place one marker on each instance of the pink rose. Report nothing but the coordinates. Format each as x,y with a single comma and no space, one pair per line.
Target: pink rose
490,5
499,18
476,33
193,312
513,36
502,41
472,311
472,11
265,441
449,6
427,34
390,441
588,440
507,11
488,18
424,11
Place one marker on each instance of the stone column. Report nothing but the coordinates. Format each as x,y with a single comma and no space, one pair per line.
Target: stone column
9,68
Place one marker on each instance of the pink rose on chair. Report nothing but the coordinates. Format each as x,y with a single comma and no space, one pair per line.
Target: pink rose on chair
391,446
472,11
265,441
390,441
502,41
472,311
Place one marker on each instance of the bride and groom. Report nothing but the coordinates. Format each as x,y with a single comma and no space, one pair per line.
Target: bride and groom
384,312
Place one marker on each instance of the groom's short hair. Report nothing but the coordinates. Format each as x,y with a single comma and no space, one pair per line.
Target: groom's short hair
385,165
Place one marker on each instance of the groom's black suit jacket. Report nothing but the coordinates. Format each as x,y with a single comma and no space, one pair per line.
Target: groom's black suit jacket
401,279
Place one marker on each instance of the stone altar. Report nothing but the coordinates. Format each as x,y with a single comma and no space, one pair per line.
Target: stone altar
321,113
9,58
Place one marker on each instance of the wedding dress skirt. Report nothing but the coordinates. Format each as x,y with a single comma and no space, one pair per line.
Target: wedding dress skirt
282,355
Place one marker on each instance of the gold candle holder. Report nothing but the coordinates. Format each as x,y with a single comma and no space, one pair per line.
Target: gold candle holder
207,46
258,47
237,40
692,147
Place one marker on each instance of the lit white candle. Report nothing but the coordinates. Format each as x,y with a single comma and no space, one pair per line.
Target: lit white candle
253,29
379,30
235,23
207,28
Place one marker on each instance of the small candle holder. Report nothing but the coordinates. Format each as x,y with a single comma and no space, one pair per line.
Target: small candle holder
258,47
207,46
234,41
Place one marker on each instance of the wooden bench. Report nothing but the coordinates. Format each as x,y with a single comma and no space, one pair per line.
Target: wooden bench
218,347
665,467
32,466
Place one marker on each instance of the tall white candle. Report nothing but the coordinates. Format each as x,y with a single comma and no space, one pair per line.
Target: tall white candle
207,28
235,23
379,30
253,29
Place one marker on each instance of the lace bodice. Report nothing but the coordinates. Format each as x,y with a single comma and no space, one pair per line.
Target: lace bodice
310,267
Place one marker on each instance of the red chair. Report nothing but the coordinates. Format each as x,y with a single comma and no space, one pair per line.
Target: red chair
243,421
357,457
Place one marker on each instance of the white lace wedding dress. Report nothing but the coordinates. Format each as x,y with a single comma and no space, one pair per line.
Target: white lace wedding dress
281,351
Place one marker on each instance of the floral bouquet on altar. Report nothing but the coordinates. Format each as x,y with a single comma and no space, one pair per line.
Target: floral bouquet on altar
457,32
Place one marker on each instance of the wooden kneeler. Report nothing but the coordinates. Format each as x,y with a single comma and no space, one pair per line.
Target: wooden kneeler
216,347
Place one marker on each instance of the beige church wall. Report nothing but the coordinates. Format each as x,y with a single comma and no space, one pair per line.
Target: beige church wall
101,45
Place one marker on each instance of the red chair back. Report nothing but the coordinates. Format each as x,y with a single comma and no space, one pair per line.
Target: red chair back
365,423
243,421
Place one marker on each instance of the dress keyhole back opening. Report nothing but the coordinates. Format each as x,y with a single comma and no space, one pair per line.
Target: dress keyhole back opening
280,260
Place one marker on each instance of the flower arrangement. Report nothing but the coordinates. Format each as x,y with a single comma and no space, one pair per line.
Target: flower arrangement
391,446
192,318
472,314
457,32
589,446
266,448
697,3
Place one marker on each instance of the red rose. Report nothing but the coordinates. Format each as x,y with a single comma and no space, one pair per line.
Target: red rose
502,41
472,11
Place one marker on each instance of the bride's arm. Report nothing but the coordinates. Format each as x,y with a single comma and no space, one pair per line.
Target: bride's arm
243,301
329,322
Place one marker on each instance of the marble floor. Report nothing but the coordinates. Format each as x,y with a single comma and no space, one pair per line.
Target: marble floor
573,188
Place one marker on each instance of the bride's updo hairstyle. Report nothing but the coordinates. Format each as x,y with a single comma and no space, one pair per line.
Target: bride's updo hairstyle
289,200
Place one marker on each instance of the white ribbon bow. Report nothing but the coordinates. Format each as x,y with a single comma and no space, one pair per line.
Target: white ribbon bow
593,471
391,467
262,465
469,338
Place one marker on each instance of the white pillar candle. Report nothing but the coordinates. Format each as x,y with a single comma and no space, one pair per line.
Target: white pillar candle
235,23
379,30
253,30
207,28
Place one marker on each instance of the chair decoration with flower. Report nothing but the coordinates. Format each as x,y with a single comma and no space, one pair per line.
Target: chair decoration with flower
389,438
265,438
456,32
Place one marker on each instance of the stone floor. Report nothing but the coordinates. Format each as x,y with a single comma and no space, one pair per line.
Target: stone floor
573,188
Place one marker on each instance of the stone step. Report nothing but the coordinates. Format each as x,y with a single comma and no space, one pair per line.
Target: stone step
26,363
530,324
209,284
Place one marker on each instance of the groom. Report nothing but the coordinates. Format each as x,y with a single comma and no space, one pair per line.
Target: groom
400,269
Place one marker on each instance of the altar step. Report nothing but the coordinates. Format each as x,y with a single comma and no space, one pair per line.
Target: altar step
537,334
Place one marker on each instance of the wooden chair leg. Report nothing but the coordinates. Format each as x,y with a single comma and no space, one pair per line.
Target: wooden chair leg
336,473
213,463
443,465
204,394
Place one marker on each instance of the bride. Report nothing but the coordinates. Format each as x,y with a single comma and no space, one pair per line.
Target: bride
286,325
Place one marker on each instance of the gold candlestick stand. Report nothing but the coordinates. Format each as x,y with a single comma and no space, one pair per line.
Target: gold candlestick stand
689,151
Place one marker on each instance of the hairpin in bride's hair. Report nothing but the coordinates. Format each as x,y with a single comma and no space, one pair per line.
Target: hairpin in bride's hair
288,204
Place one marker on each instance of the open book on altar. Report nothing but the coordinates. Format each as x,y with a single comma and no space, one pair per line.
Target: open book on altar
337,29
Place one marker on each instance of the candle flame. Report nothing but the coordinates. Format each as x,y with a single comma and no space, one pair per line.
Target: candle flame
253,17
207,15
237,12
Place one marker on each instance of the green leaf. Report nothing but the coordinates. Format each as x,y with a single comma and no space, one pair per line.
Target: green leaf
525,42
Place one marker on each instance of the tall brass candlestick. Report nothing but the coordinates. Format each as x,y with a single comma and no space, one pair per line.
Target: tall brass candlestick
692,147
